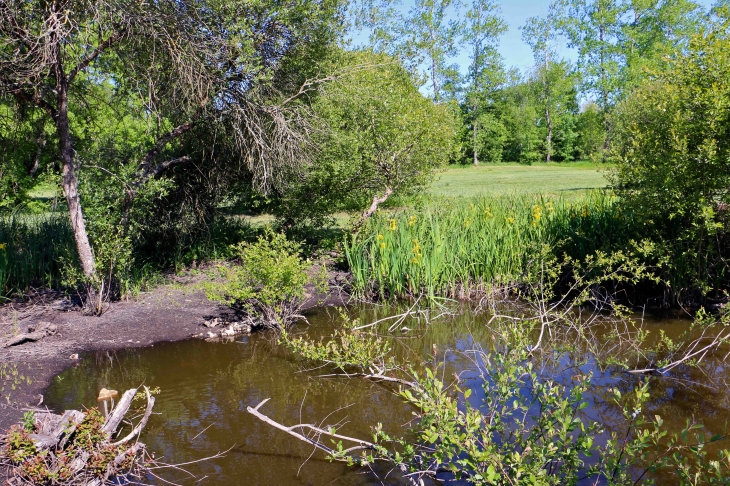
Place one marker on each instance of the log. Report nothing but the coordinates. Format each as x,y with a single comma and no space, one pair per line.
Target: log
117,415
142,423
43,441
44,329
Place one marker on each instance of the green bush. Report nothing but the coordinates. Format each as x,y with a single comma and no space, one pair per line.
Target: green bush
268,283
674,161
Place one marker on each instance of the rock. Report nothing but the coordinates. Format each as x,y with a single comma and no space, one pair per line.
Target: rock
74,356
212,323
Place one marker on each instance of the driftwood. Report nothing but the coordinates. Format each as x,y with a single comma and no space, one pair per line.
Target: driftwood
416,479
53,432
35,333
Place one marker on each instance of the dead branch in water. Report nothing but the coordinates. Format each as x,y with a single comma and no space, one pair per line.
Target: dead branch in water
415,479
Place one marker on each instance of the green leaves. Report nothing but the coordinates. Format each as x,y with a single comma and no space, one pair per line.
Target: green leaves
268,282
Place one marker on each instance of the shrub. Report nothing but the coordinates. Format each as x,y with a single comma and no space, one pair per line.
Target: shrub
268,283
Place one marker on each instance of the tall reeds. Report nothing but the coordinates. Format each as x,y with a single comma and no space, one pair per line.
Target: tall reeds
456,247
32,248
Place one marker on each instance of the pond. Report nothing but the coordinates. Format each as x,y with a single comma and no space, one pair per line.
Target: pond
206,387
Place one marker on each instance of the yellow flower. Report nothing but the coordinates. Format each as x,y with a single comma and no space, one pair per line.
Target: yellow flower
467,223
393,225
510,220
382,246
381,237
411,221
536,214
3,246
416,251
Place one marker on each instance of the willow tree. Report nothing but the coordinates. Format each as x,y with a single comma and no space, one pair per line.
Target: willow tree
190,63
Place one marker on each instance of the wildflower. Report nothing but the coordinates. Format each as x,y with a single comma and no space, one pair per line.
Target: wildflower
471,206
586,213
416,251
393,225
382,245
536,214
467,223
549,207
381,237
511,220
3,246
411,221
488,212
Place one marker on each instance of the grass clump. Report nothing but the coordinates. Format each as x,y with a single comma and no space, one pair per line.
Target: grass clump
32,249
457,247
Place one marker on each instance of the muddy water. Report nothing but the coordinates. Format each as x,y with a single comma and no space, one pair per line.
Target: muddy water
206,387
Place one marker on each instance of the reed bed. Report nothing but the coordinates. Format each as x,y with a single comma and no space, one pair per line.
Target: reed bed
32,247
458,247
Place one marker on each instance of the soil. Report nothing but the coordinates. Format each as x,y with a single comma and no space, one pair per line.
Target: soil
172,312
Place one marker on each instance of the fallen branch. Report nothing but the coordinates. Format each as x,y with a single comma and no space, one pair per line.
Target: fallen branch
34,334
415,479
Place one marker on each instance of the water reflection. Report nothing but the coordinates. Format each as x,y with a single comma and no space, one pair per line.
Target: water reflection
206,388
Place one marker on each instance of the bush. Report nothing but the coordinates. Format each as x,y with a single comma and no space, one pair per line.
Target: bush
674,161
269,282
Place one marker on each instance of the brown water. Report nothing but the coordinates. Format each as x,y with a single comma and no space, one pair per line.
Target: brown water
206,387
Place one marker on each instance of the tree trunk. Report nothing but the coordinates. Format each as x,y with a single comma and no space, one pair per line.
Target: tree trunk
70,183
548,120
377,201
476,155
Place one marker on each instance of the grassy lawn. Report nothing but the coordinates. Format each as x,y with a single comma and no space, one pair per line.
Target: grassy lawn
566,179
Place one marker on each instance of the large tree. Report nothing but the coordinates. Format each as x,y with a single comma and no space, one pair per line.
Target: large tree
486,71
382,138
190,64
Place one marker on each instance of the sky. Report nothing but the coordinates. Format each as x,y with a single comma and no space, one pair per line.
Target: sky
515,12
514,51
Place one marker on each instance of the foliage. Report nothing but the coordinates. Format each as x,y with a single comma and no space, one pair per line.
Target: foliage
348,348
674,161
268,283
384,138
455,248
531,429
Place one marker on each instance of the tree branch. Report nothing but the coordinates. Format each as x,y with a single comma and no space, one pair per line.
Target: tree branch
91,57
36,100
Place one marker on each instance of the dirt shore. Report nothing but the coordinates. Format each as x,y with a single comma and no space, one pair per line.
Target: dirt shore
171,312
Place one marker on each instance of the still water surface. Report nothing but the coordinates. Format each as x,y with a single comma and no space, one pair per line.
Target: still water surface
206,387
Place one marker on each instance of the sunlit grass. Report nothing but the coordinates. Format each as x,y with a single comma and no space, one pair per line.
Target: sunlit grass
567,180
455,246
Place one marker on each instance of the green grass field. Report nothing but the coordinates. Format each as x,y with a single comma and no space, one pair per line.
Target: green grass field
563,179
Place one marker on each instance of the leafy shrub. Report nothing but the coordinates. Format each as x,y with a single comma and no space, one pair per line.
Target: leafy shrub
348,347
268,283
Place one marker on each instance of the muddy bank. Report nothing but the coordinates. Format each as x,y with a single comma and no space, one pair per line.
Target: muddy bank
169,313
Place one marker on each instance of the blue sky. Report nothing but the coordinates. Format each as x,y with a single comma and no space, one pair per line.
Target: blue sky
514,51
515,12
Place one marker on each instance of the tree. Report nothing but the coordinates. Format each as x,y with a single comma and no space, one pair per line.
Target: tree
541,34
482,31
594,28
654,30
384,138
428,38
191,65
674,165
